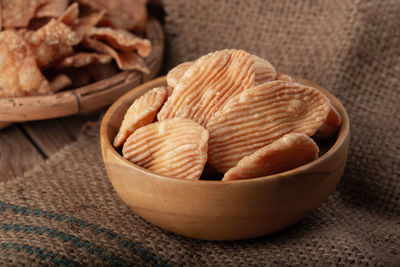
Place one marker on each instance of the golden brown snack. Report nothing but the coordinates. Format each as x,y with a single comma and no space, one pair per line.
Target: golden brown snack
54,30
175,74
52,42
19,73
170,89
264,71
1,18
208,84
121,39
81,25
288,152
82,59
285,77
125,60
261,115
60,82
140,113
331,123
70,15
123,14
53,8
18,13
173,147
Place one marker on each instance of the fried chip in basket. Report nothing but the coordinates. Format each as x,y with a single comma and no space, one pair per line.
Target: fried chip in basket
18,13
125,60
52,42
60,82
121,40
54,33
70,15
87,22
19,73
80,25
122,14
1,18
53,8
116,22
82,59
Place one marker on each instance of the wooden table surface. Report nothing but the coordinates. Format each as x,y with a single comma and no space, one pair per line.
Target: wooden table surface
24,145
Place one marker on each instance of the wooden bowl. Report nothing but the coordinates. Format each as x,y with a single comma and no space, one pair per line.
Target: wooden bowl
88,98
215,210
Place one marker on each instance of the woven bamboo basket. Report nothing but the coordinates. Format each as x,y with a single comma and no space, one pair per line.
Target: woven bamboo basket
86,99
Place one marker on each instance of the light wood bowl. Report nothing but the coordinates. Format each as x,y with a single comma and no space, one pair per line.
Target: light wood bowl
88,98
215,210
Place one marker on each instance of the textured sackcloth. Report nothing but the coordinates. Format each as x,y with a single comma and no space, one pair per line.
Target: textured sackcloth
66,211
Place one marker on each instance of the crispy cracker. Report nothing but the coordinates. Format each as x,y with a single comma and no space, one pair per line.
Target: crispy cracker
331,123
175,74
121,39
140,113
261,115
60,82
122,14
87,22
290,151
18,13
1,17
80,25
52,42
125,60
53,8
285,77
19,73
208,84
82,59
264,71
174,147
70,15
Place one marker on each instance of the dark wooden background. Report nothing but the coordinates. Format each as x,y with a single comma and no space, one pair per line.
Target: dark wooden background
24,145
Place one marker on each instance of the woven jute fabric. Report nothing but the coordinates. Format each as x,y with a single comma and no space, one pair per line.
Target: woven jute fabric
66,212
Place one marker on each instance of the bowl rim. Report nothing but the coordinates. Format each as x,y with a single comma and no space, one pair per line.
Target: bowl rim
342,134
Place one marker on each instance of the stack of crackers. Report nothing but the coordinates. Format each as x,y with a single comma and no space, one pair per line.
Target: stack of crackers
51,45
229,109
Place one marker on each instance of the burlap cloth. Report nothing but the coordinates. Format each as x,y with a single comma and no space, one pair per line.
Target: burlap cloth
66,211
